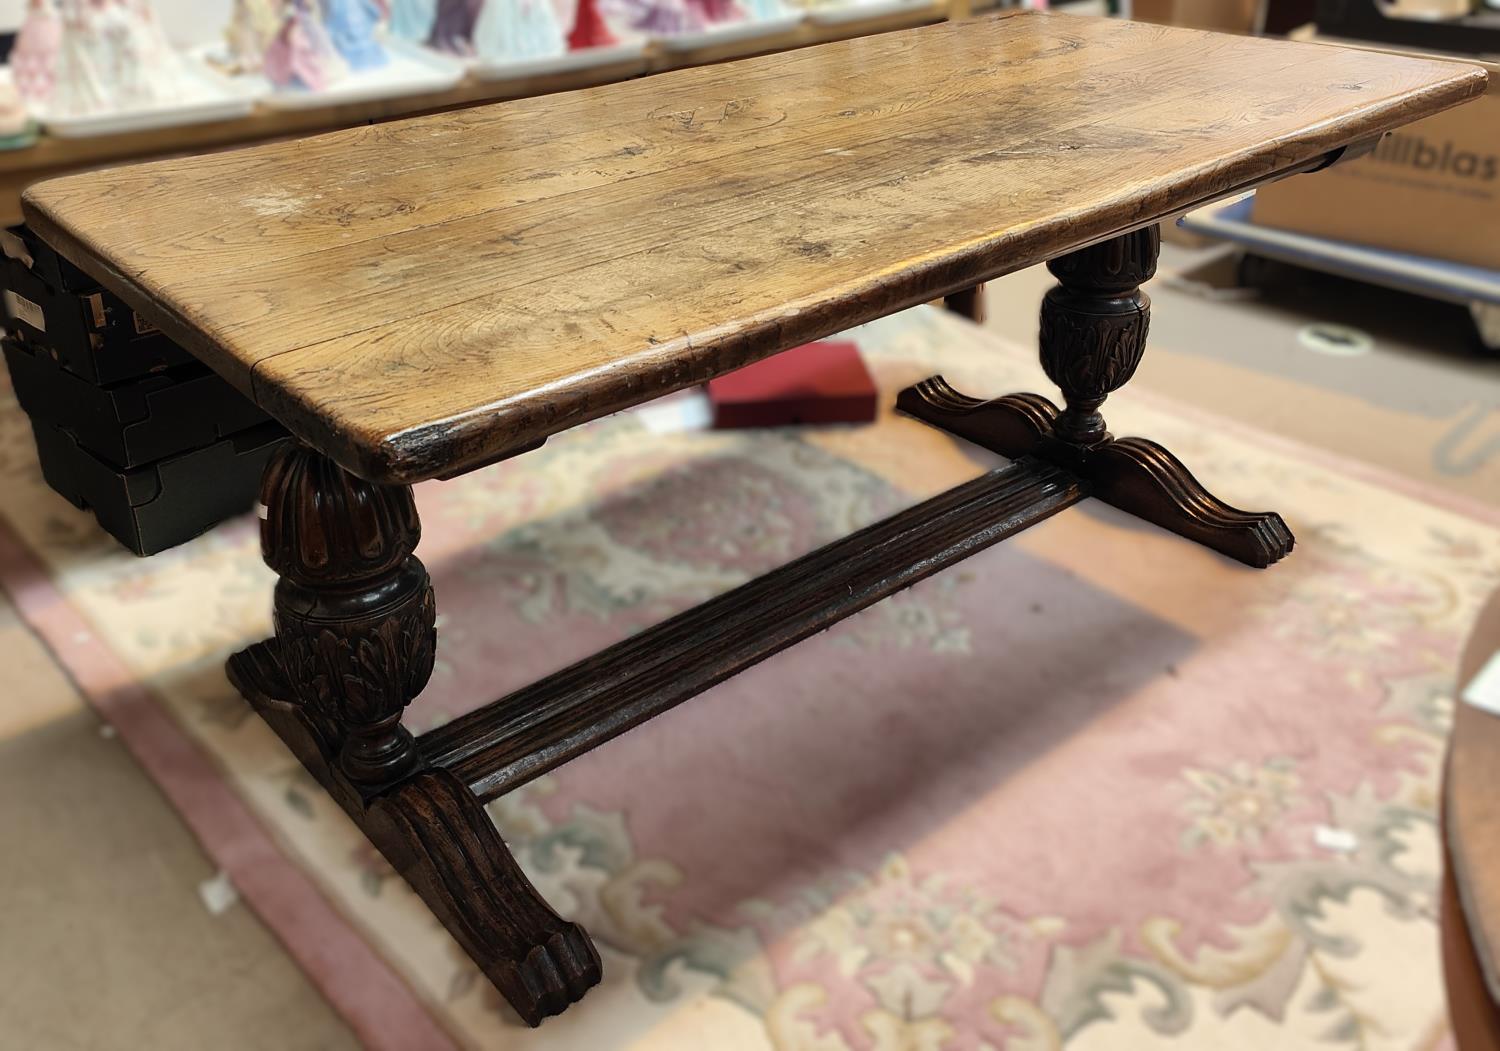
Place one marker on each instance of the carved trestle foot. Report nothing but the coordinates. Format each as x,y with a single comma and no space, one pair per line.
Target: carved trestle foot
1139,476
354,643
1093,333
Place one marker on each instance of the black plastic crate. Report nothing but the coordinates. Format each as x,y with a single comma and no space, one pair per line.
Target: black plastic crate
135,422
90,332
160,505
36,255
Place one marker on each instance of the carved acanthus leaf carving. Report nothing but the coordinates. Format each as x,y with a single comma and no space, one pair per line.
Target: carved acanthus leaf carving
1111,267
1089,353
354,607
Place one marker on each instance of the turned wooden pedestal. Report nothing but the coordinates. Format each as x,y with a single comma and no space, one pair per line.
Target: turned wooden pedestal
354,644
1093,333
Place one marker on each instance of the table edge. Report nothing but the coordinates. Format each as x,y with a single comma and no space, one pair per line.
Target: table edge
486,434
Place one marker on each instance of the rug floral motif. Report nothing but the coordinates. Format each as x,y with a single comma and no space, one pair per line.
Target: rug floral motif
1095,788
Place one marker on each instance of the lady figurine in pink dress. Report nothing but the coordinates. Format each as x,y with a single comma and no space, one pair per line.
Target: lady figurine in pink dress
302,56
716,12
33,59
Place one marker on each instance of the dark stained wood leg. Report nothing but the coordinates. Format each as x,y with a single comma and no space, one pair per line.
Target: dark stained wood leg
355,640
969,303
1093,333
1139,476
438,836
1012,426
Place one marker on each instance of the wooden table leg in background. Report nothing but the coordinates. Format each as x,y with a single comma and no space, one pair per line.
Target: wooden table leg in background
1470,910
1471,1011
1093,334
354,643
968,303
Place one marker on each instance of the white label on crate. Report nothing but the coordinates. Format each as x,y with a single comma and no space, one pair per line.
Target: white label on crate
142,326
23,309
15,248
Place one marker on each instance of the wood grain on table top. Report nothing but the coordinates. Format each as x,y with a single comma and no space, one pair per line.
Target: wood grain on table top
423,296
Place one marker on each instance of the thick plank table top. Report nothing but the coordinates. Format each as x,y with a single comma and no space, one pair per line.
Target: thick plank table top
422,297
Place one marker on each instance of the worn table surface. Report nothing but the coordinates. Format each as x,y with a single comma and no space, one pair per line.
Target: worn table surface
420,297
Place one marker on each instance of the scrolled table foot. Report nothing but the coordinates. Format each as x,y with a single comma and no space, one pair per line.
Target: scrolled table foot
1012,425
440,839
1139,476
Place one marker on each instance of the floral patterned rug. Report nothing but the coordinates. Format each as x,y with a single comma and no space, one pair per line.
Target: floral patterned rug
1095,788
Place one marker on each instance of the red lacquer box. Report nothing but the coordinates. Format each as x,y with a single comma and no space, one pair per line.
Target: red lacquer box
815,383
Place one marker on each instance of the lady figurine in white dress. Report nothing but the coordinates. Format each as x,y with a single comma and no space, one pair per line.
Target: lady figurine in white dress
114,56
302,57
518,29
413,19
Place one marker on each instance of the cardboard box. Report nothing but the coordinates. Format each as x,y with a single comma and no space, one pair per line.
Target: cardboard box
1432,189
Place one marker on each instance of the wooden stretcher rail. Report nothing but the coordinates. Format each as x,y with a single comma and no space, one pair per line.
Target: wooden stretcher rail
543,725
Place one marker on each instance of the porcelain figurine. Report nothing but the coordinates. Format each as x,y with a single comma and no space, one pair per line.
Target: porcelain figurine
252,26
518,29
413,19
453,26
351,26
765,10
33,58
655,17
717,12
113,56
17,129
589,28
302,56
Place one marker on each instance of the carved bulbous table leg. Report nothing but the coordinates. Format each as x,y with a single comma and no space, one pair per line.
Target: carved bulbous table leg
354,614
1093,328
354,644
1093,333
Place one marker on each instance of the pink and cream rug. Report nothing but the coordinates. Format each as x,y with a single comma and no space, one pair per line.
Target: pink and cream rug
1096,788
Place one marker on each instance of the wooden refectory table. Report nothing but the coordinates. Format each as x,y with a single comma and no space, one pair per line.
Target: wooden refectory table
422,298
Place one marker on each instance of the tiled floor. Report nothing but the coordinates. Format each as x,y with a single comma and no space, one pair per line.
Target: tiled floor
105,942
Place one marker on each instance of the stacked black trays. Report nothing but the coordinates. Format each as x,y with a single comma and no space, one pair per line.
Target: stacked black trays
127,423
